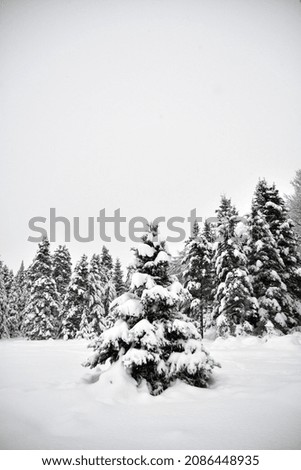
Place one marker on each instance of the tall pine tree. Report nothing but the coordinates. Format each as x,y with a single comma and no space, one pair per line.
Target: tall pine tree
118,278
13,318
4,332
21,287
41,311
272,260
107,276
235,307
294,204
106,260
62,270
198,275
93,319
8,277
76,302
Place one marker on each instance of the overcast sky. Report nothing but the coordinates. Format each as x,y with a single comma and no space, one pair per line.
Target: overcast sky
155,107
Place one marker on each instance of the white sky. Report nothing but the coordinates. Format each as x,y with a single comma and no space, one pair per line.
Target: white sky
151,106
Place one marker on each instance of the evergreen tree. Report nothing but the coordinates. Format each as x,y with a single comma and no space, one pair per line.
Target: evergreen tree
294,204
107,279
22,294
15,300
177,265
272,206
8,277
92,320
118,278
106,261
208,232
76,302
109,296
13,316
62,270
41,311
287,244
4,332
272,264
198,275
129,273
151,338
235,307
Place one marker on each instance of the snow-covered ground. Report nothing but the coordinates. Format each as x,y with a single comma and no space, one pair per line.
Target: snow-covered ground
48,401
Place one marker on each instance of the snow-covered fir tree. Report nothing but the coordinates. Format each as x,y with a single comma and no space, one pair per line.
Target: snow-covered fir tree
4,332
8,277
23,293
93,318
41,311
76,302
15,303
13,316
177,266
106,260
130,269
209,232
62,270
288,245
107,278
198,274
29,280
235,307
109,296
294,204
272,206
151,338
118,278
277,308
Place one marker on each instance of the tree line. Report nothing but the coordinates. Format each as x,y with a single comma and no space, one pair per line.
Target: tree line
238,278
48,300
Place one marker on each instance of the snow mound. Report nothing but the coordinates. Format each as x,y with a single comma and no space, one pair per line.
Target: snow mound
253,402
236,342
116,385
287,342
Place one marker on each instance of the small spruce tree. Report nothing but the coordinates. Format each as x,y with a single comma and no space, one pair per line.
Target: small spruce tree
151,338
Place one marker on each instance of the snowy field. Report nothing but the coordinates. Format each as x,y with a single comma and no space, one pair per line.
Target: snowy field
48,401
